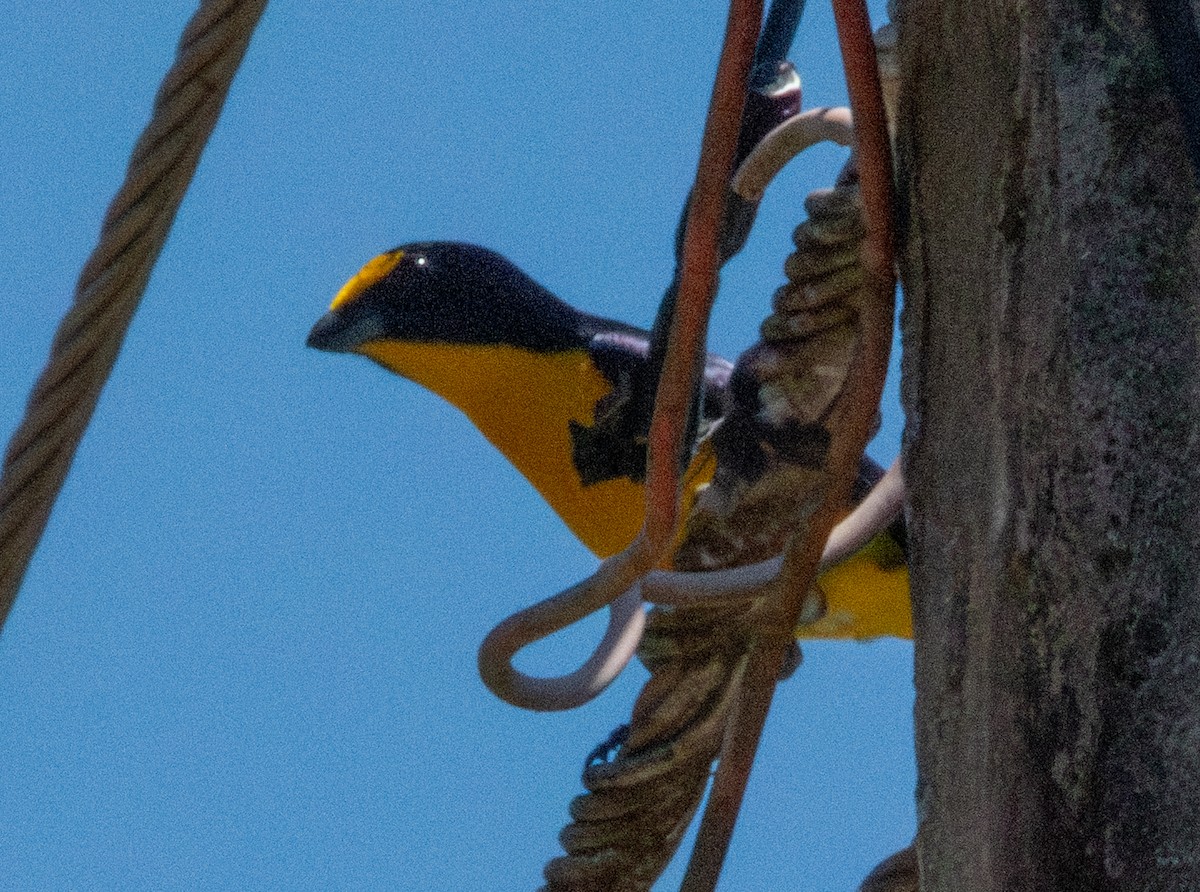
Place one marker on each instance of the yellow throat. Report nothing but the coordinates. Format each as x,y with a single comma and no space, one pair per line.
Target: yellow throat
522,402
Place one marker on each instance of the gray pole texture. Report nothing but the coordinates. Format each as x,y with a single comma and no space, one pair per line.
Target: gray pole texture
1050,251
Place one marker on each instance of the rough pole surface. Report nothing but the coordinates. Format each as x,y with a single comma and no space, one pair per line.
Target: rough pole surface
1051,257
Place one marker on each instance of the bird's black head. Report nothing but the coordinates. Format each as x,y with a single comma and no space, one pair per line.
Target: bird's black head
451,293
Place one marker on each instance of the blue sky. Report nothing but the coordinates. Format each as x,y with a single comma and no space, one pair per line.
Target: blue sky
244,655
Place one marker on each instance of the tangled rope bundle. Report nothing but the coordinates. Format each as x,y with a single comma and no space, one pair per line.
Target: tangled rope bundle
804,400
770,479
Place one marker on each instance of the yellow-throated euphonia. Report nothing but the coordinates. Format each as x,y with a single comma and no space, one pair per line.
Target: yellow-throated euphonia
547,385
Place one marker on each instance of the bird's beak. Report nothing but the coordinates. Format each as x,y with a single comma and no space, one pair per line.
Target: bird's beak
338,332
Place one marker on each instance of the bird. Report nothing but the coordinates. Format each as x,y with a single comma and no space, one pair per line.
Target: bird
556,390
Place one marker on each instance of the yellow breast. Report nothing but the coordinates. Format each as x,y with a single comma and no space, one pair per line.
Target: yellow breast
523,403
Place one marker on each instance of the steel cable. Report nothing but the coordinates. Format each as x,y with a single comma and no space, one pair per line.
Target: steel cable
186,109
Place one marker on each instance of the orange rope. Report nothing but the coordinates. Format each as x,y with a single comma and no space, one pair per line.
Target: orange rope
698,279
668,425
862,400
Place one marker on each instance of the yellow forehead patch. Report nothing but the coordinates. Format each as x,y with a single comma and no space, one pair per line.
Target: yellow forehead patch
375,269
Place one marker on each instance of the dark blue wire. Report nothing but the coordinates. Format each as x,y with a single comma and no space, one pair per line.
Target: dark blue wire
776,40
774,44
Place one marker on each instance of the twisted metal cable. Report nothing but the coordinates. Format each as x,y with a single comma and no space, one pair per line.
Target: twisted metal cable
111,284
801,395
847,433
769,479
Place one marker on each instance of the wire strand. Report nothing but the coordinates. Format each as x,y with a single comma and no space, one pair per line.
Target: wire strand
112,281
862,400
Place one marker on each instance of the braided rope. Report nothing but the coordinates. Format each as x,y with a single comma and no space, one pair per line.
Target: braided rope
639,803
712,672
848,433
111,284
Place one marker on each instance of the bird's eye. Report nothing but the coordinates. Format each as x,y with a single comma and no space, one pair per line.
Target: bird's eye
420,260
